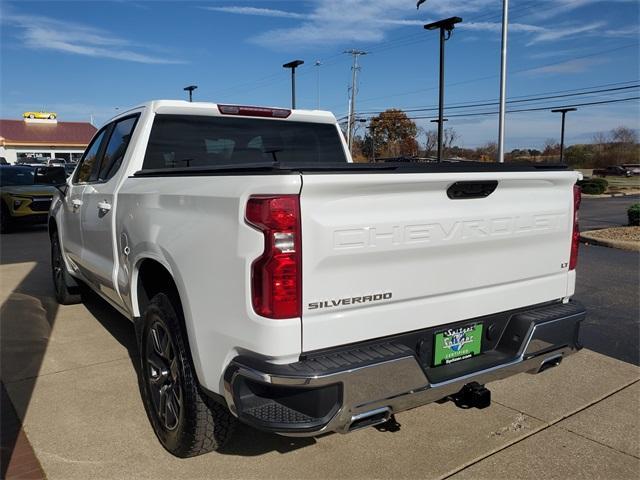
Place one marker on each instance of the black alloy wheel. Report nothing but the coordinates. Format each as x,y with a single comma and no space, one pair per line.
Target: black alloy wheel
184,419
163,375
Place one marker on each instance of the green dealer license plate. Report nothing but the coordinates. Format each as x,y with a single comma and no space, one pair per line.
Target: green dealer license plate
457,344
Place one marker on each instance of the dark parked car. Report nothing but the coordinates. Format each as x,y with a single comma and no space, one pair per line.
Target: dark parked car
612,171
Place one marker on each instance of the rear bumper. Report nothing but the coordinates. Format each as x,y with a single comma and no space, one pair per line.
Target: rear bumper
363,384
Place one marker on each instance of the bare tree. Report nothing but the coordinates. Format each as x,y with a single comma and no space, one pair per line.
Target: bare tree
624,135
432,142
600,138
450,136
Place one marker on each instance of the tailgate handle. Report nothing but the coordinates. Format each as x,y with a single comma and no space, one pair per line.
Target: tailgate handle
472,189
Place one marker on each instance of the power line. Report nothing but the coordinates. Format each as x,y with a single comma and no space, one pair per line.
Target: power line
472,80
475,114
522,100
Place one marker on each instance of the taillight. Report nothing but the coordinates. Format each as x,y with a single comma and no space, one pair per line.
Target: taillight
276,276
575,234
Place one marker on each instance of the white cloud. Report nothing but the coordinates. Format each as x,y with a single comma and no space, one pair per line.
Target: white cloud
341,21
44,33
497,27
559,32
578,65
260,12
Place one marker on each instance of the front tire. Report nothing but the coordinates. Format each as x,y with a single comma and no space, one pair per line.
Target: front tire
5,219
65,293
184,420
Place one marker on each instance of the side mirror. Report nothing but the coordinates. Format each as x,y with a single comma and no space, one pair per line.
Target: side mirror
54,176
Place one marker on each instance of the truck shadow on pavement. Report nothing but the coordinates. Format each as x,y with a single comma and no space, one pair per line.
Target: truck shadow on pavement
27,317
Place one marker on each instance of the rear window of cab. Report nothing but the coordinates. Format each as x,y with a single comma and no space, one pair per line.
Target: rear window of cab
183,141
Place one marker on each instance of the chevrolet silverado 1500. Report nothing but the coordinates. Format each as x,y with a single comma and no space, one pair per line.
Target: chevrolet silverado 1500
273,281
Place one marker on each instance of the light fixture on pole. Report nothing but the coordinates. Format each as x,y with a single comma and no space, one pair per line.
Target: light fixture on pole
563,111
317,65
190,89
293,65
445,26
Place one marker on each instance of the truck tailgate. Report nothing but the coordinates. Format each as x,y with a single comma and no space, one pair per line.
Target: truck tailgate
385,253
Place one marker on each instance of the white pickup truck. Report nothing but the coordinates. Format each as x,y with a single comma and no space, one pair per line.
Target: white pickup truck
272,281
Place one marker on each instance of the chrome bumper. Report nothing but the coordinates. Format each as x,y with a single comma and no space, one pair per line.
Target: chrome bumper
370,390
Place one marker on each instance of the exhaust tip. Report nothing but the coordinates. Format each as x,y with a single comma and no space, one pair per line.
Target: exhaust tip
367,419
550,363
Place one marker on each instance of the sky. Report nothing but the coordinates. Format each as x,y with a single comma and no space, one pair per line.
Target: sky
90,59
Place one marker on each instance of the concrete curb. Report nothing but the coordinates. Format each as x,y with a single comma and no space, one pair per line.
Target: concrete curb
613,195
588,238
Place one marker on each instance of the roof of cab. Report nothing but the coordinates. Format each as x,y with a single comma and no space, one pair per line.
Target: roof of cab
183,107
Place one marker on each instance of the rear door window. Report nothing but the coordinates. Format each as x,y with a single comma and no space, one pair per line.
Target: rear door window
181,141
87,171
117,147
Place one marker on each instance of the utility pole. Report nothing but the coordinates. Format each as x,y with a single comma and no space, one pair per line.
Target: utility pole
445,26
354,90
563,111
503,79
293,65
190,89
317,65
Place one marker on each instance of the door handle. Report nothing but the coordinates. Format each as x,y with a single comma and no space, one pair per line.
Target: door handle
76,203
104,206
471,189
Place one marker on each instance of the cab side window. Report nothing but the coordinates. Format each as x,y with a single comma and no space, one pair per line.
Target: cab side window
116,147
87,171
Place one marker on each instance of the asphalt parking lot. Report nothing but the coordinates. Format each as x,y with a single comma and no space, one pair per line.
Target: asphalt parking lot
605,212
608,284
69,371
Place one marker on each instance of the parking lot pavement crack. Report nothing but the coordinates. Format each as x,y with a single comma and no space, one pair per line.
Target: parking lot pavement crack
80,367
599,443
545,426
571,414
62,459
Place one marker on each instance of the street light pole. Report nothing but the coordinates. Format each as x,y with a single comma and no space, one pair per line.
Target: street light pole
503,79
190,89
446,27
293,65
563,111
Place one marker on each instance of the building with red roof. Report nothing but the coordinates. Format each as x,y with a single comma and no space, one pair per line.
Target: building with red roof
30,138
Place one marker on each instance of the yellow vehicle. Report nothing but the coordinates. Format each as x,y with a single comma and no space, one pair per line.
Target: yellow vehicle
26,193
41,115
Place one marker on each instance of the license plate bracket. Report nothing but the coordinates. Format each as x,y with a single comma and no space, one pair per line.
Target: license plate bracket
457,344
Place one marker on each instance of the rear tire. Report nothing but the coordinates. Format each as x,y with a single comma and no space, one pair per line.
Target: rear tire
186,422
65,293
